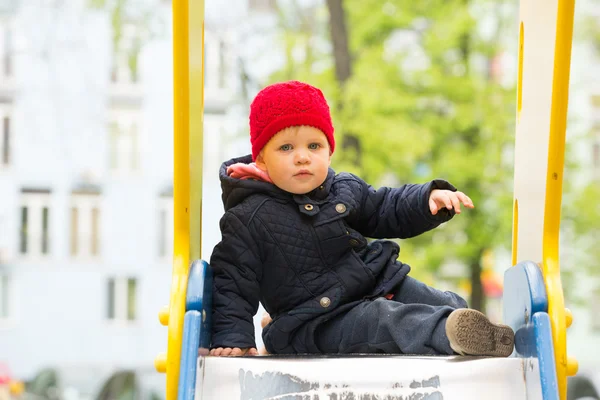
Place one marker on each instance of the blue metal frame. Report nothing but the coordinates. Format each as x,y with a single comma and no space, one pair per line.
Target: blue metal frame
525,305
196,326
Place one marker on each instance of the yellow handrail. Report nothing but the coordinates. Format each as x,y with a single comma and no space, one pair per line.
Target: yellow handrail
556,155
188,107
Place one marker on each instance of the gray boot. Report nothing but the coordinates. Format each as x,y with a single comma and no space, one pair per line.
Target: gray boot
471,333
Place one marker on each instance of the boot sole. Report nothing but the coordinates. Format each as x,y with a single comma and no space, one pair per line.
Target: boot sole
471,333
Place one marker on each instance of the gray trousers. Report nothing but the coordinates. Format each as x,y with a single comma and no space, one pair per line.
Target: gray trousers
413,322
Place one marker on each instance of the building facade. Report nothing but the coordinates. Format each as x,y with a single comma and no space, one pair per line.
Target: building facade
86,170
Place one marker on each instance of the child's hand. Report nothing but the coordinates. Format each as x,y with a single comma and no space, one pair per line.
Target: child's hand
440,198
266,320
234,352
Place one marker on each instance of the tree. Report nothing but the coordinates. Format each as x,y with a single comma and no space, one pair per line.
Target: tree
416,92
580,233
580,217
133,25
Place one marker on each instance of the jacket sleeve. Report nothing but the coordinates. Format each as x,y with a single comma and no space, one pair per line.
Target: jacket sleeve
236,290
401,212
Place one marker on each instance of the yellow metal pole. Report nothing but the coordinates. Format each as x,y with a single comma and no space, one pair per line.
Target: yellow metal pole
545,34
556,157
196,114
188,110
181,193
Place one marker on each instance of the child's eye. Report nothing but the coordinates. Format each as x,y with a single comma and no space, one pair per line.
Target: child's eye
314,146
286,147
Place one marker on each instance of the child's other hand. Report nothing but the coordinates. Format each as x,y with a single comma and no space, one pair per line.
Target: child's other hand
233,352
265,320
440,198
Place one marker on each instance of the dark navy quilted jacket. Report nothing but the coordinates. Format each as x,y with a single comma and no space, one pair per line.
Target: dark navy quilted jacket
306,257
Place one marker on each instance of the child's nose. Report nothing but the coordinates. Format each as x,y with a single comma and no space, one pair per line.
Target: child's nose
302,157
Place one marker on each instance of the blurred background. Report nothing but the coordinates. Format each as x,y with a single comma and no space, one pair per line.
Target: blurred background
418,90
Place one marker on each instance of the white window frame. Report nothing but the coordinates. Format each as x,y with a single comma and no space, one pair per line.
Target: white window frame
120,301
164,234
35,202
83,235
124,141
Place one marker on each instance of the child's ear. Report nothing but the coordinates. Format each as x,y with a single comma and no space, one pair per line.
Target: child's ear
260,162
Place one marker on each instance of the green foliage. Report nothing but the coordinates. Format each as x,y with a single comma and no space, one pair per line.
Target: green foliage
428,109
588,29
580,222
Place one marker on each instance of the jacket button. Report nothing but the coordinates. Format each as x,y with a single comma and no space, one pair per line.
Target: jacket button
325,302
308,207
340,208
354,242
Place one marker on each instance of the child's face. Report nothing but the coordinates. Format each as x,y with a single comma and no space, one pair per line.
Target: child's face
296,159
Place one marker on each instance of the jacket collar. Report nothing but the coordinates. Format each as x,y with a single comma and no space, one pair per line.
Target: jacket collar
234,190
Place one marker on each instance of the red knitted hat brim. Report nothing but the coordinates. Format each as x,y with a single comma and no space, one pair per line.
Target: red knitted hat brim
288,121
286,104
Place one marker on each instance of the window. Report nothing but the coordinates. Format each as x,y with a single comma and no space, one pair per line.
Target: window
23,233
165,227
94,233
124,69
162,233
215,70
34,230
44,230
221,64
124,141
121,299
74,230
6,136
6,141
4,296
6,51
126,56
85,224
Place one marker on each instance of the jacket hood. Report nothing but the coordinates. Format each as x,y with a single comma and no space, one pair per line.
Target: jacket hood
234,190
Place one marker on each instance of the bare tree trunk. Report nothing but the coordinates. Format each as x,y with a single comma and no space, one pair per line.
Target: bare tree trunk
339,39
343,68
477,300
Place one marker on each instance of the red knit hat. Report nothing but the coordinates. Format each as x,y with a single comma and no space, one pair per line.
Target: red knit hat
287,104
